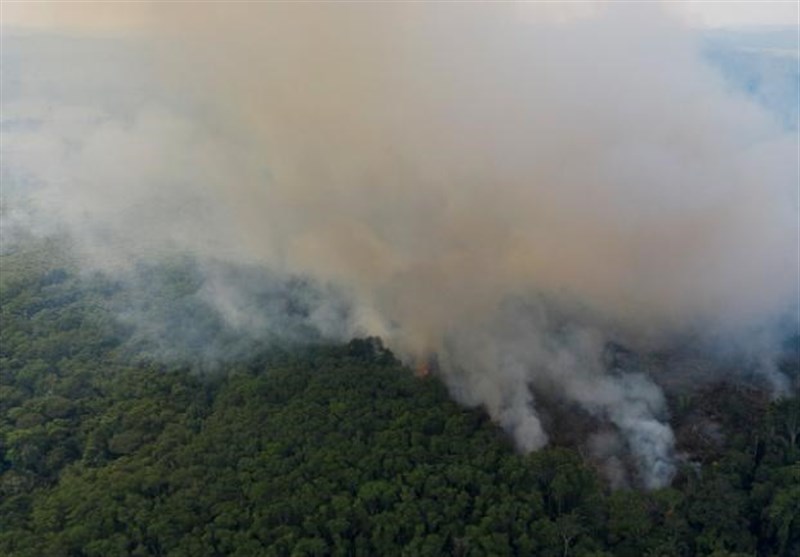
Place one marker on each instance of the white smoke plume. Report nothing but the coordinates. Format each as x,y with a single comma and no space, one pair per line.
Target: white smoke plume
456,169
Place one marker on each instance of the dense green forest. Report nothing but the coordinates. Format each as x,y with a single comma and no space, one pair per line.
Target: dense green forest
318,449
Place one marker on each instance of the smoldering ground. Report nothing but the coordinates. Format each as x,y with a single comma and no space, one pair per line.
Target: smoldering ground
503,187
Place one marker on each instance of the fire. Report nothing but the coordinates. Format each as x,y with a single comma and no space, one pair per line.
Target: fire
426,365
423,369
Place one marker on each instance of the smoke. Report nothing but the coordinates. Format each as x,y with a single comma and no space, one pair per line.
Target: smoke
495,184
533,347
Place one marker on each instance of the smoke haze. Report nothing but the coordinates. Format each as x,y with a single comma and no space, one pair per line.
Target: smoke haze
499,185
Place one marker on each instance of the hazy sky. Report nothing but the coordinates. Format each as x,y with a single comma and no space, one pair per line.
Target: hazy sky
722,13
123,17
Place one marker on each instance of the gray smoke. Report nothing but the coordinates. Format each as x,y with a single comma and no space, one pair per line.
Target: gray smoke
506,190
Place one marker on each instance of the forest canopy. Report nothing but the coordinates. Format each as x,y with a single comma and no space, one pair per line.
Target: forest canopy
333,449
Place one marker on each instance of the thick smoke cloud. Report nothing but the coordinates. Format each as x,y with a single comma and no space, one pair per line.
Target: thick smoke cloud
488,183
442,157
